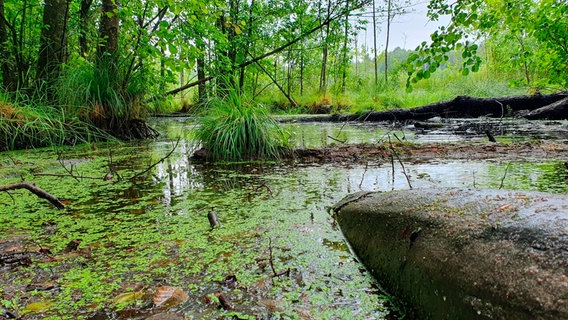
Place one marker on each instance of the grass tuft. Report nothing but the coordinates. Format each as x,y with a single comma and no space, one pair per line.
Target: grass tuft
35,126
235,129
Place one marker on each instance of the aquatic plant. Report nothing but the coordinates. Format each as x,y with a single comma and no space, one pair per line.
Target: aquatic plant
234,128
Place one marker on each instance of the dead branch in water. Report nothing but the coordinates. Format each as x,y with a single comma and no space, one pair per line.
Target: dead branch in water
158,162
394,153
504,176
35,190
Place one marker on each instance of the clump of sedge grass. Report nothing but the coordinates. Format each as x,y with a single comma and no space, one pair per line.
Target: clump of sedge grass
24,127
235,129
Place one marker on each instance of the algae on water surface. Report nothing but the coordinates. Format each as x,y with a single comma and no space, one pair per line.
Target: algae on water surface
135,236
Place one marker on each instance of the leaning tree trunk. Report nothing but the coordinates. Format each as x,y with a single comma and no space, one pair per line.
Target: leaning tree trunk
469,107
53,43
8,76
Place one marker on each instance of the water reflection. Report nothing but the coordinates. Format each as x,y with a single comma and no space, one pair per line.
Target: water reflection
184,177
285,205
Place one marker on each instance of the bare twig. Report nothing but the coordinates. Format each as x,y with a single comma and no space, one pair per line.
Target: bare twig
69,171
403,170
271,261
340,141
504,176
264,186
392,169
65,175
158,162
363,177
35,190
111,167
394,153
271,257
474,182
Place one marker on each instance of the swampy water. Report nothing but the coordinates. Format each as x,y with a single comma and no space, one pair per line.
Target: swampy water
146,247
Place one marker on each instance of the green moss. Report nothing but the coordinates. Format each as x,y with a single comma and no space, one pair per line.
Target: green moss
155,231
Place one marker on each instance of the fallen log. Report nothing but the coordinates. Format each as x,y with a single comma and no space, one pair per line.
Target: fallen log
555,111
459,107
35,190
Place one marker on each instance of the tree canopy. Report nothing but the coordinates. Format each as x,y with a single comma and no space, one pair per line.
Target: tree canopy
531,34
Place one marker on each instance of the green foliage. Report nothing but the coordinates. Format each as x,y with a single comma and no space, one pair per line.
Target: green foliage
532,30
234,129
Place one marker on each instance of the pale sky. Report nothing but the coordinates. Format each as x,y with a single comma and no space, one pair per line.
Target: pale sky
407,31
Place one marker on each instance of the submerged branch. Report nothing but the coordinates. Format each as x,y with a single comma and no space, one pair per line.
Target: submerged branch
158,162
35,190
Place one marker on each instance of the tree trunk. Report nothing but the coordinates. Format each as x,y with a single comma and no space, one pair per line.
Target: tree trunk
323,74
389,20
106,72
53,42
8,76
345,62
324,55
202,87
249,42
554,111
375,44
466,107
108,33
84,26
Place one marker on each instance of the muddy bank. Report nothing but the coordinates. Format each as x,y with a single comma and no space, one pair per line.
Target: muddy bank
369,153
464,254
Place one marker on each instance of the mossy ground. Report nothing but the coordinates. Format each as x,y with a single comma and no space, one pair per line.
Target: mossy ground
137,235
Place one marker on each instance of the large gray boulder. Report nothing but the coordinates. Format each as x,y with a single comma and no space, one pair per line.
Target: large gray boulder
464,254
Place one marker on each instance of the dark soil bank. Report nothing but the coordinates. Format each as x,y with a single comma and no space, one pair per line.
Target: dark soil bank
465,254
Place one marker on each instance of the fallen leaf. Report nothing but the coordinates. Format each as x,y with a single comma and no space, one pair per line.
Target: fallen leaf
171,296
39,306
504,207
127,297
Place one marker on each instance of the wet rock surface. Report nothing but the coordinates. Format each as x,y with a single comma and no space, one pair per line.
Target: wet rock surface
464,254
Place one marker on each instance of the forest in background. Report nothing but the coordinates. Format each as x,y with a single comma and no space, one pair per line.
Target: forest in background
77,70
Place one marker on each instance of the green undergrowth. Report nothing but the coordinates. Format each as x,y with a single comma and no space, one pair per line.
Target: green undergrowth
36,126
363,95
137,235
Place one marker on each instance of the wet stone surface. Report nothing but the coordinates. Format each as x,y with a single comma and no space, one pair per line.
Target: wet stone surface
465,253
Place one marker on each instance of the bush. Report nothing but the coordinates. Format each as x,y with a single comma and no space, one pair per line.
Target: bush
232,129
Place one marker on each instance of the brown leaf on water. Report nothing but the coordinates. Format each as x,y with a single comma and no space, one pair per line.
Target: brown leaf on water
224,301
169,296
127,298
271,305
